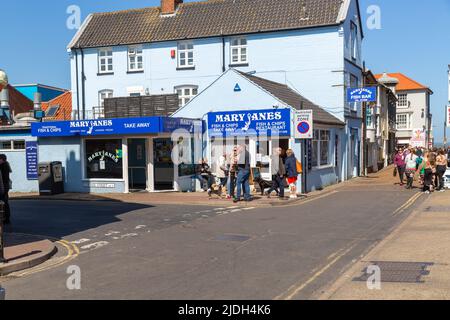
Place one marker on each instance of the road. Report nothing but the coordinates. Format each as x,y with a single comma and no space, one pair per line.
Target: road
130,251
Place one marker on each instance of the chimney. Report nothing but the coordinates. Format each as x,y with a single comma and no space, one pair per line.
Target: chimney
169,6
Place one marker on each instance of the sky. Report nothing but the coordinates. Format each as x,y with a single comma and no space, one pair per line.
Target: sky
414,39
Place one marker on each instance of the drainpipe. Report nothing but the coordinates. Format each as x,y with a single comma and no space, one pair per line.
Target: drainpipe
223,54
77,85
83,85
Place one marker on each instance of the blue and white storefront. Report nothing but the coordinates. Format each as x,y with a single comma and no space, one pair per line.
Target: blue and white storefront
116,155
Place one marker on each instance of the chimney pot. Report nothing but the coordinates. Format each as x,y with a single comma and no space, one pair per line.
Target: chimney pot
169,6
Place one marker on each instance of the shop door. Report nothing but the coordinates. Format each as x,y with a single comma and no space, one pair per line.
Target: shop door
163,165
137,164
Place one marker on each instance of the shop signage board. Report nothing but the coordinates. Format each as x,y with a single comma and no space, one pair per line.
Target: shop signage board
303,121
250,123
368,94
120,126
448,116
31,150
418,139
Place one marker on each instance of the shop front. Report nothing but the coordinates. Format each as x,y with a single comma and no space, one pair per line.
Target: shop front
115,155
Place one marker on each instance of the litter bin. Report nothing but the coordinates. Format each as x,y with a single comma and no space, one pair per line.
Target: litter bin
50,178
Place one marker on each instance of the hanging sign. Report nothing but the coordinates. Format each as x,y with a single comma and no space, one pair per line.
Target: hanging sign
303,121
362,94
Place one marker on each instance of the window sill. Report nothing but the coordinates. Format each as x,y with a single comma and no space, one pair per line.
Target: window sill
105,73
236,65
135,71
185,68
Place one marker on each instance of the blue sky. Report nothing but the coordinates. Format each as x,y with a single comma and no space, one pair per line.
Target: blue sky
413,39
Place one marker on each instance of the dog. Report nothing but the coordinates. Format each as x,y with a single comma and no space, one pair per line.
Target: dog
263,184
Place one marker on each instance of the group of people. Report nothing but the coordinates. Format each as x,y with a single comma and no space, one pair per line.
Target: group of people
428,165
233,172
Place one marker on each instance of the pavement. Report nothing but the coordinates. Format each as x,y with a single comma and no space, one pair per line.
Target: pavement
424,237
24,251
168,251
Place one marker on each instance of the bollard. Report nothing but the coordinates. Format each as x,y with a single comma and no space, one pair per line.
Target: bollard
2,243
2,294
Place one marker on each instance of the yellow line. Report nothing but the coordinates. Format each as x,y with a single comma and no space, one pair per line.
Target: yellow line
408,203
294,290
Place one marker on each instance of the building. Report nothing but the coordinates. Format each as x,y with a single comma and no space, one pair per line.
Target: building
59,108
239,94
312,46
47,92
14,103
414,118
381,123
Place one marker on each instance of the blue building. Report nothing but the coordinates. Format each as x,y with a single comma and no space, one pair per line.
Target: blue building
47,92
312,46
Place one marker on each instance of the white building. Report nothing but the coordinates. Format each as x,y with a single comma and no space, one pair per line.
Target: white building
414,118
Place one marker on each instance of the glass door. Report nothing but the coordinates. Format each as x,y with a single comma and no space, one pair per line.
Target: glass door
164,173
137,164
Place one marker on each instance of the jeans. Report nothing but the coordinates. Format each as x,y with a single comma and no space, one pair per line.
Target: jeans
401,173
231,184
410,178
205,182
277,185
440,172
243,182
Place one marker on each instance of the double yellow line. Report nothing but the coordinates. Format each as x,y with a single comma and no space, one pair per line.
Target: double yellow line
408,203
72,252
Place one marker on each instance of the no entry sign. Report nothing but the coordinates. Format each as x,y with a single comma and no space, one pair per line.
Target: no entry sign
303,120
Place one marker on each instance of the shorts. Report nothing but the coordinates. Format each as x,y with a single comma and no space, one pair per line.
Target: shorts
292,180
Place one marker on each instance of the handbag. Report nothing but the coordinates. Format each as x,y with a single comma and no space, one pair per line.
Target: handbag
395,172
299,167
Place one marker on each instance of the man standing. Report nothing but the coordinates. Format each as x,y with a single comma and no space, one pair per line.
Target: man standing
278,174
243,175
5,170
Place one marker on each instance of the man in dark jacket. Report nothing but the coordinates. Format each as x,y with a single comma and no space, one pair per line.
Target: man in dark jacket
5,170
243,174
278,173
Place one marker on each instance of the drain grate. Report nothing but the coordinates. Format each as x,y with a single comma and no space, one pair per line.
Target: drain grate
400,272
232,237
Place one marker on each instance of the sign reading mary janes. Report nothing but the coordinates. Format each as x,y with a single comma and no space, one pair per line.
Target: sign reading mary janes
250,122
362,94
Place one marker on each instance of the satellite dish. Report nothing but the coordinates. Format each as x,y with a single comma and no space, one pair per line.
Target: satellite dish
3,79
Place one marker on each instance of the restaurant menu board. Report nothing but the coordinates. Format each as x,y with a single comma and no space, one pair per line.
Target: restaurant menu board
32,159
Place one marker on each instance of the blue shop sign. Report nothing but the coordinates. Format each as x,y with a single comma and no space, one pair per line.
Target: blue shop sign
31,155
250,122
190,125
362,94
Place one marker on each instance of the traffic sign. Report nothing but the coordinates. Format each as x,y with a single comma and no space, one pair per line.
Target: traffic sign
303,120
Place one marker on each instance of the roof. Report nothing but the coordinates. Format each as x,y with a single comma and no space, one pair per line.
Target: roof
38,85
64,102
18,103
294,99
206,19
404,82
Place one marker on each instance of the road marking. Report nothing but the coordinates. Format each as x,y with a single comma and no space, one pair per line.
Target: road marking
112,233
250,208
95,245
294,290
140,227
80,241
219,209
235,207
72,252
408,203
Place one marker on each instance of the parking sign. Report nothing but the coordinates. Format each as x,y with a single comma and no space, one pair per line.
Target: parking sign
303,124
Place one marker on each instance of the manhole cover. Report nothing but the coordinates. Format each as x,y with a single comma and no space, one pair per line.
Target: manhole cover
232,237
402,272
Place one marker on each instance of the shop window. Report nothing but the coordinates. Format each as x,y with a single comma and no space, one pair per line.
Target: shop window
12,145
321,148
104,159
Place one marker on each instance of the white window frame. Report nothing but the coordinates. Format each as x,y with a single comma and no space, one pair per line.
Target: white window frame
402,100
12,145
318,140
404,125
238,50
101,100
184,98
134,53
104,60
185,55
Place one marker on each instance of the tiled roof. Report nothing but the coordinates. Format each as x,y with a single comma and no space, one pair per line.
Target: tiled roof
205,19
64,102
294,99
18,103
405,83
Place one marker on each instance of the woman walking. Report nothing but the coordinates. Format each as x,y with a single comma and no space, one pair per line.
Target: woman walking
291,172
399,162
429,164
411,167
441,167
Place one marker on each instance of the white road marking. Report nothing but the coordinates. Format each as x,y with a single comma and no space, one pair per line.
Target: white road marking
219,209
128,235
250,208
95,245
80,241
235,210
140,227
235,207
112,233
